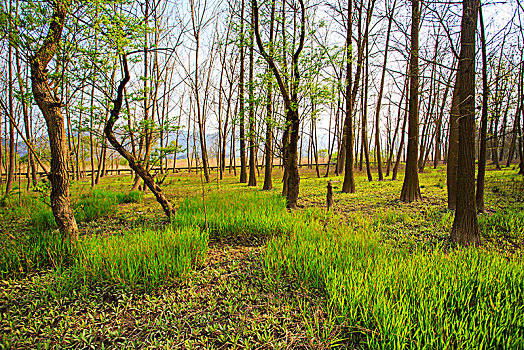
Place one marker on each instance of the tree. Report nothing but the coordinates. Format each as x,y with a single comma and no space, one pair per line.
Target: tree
465,229
133,163
410,188
483,120
251,88
290,97
348,186
51,106
268,184
243,166
379,98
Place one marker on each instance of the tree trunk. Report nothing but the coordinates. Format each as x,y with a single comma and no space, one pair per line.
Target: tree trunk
51,110
252,149
465,229
399,116
27,124
452,156
379,98
243,170
290,96
364,141
11,167
438,137
410,188
402,138
483,121
348,186
133,163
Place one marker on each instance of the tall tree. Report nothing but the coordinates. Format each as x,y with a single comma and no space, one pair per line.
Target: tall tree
380,92
465,229
290,97
452,156
268,184
141,170
242,135
197,24
410,188
11,164
348,186
352,90
484,119
251,87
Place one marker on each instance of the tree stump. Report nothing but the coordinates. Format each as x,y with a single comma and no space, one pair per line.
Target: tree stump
329,195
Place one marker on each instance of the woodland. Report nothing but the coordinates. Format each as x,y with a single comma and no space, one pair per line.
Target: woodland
261,174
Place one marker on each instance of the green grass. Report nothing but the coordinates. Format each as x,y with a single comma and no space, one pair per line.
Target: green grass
509,223
399,298
34,251
98,203
88,207
236,215
374,273
141,260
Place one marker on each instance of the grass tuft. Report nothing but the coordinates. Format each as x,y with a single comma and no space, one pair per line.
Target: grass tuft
509,223
36,250
234,215
141,260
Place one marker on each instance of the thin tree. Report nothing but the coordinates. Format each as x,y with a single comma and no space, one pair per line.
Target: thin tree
139,169
268,183
380,92
252,148
484,119
241,126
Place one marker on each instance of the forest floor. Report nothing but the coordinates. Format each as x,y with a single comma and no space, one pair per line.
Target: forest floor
229,301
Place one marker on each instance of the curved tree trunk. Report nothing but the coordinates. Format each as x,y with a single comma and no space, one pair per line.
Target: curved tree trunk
133,162
290,97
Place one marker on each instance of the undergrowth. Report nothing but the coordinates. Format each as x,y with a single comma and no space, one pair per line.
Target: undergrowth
36,250
140,260
395,298
387,272
234,215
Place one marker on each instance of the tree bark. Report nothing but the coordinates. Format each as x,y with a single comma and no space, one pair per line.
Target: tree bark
11,164
379,98
268,183
242,136
252,147
453,140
